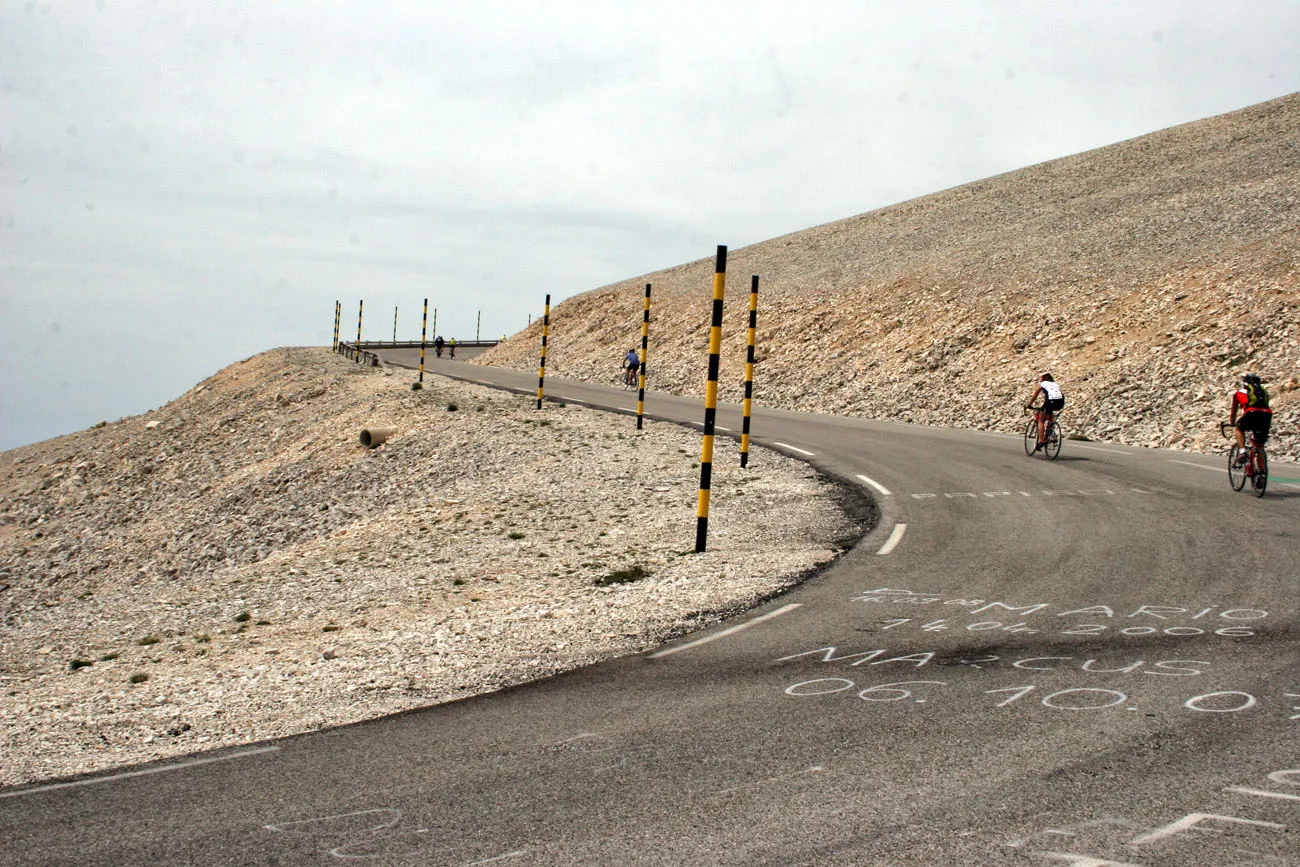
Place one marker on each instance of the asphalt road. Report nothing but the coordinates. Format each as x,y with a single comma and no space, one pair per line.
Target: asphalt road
1092,661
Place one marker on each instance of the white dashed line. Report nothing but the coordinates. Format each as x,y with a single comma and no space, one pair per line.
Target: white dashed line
894,538
669,651
146,772
884,492
795,449
720,427
1198,466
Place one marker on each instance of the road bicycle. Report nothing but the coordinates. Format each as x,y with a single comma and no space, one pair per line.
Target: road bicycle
1255,467
1051,432
630,377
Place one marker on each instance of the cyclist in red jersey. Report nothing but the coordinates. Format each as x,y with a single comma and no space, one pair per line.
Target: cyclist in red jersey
1251,403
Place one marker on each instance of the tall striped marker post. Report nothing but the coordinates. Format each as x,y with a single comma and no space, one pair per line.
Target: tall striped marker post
645,348
541,371
711,401
435,324
338,313
749,372
394,326
360,306
478,324
424,333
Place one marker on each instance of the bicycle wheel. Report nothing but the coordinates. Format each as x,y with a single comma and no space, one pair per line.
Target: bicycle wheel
1260,479
1052,447
1031,437
1236,474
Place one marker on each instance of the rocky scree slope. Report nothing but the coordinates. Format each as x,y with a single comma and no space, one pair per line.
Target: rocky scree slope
233,566
1147,276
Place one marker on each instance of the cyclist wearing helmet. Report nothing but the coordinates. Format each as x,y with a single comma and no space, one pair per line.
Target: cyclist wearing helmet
1053,402
1251,402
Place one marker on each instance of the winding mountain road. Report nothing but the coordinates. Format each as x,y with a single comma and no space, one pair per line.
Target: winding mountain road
1093,661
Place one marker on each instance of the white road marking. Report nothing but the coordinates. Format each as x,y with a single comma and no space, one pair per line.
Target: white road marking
720,427
884,492
1075,445
146,772
894,538
1198,466
731,630
515,854
794,449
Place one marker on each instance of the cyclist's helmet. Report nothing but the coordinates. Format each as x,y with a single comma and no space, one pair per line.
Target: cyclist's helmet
1252,379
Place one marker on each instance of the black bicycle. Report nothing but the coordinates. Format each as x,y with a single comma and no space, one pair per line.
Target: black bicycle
1253,465
1052,436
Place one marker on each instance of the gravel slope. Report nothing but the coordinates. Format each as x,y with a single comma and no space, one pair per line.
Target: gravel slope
233,566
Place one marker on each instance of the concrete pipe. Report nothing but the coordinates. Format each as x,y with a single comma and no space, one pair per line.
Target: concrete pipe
373,437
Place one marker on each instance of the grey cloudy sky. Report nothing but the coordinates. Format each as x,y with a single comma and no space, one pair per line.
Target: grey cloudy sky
184,184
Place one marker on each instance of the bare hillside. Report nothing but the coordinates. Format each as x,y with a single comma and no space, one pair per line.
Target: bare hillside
234,566
1147,276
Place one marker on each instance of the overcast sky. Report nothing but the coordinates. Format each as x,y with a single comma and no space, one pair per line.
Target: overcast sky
184,184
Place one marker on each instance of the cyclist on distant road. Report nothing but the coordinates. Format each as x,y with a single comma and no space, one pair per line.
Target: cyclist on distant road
631,363
452,344
438,343
1251,403
1053,402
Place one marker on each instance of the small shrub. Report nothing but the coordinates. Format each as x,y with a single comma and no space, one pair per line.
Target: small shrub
458,581
330,628
416,386
451,407
624,576
79,663
263,623
202,639
243,617
139,678
515,534
148,639
108,657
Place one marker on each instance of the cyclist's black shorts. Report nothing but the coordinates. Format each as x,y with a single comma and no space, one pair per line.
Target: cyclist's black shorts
1259,422
1054,406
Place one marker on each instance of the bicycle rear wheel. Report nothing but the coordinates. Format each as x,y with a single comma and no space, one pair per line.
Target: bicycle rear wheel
1236,474
1031,437
1052,448
1260,479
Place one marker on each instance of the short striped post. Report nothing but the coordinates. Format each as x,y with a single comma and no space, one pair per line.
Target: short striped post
424,333
338,313
711,401
478,324
749,372
541,371
645,347
360,306
394,326
435,323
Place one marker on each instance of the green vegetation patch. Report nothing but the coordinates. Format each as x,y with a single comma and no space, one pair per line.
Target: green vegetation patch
624,576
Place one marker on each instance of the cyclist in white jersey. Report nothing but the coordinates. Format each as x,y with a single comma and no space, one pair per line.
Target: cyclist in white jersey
1053,402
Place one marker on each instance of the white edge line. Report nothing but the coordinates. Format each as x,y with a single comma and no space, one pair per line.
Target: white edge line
144,773
894,538
1198,466
1100,449
669,651
884,492
795,449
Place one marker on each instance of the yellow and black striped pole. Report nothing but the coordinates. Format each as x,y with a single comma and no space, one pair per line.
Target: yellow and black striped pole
711,400
541,371
360,306
424,333
645,348
338,312
749,372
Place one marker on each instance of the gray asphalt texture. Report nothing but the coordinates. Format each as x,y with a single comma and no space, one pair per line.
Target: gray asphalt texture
1090,661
